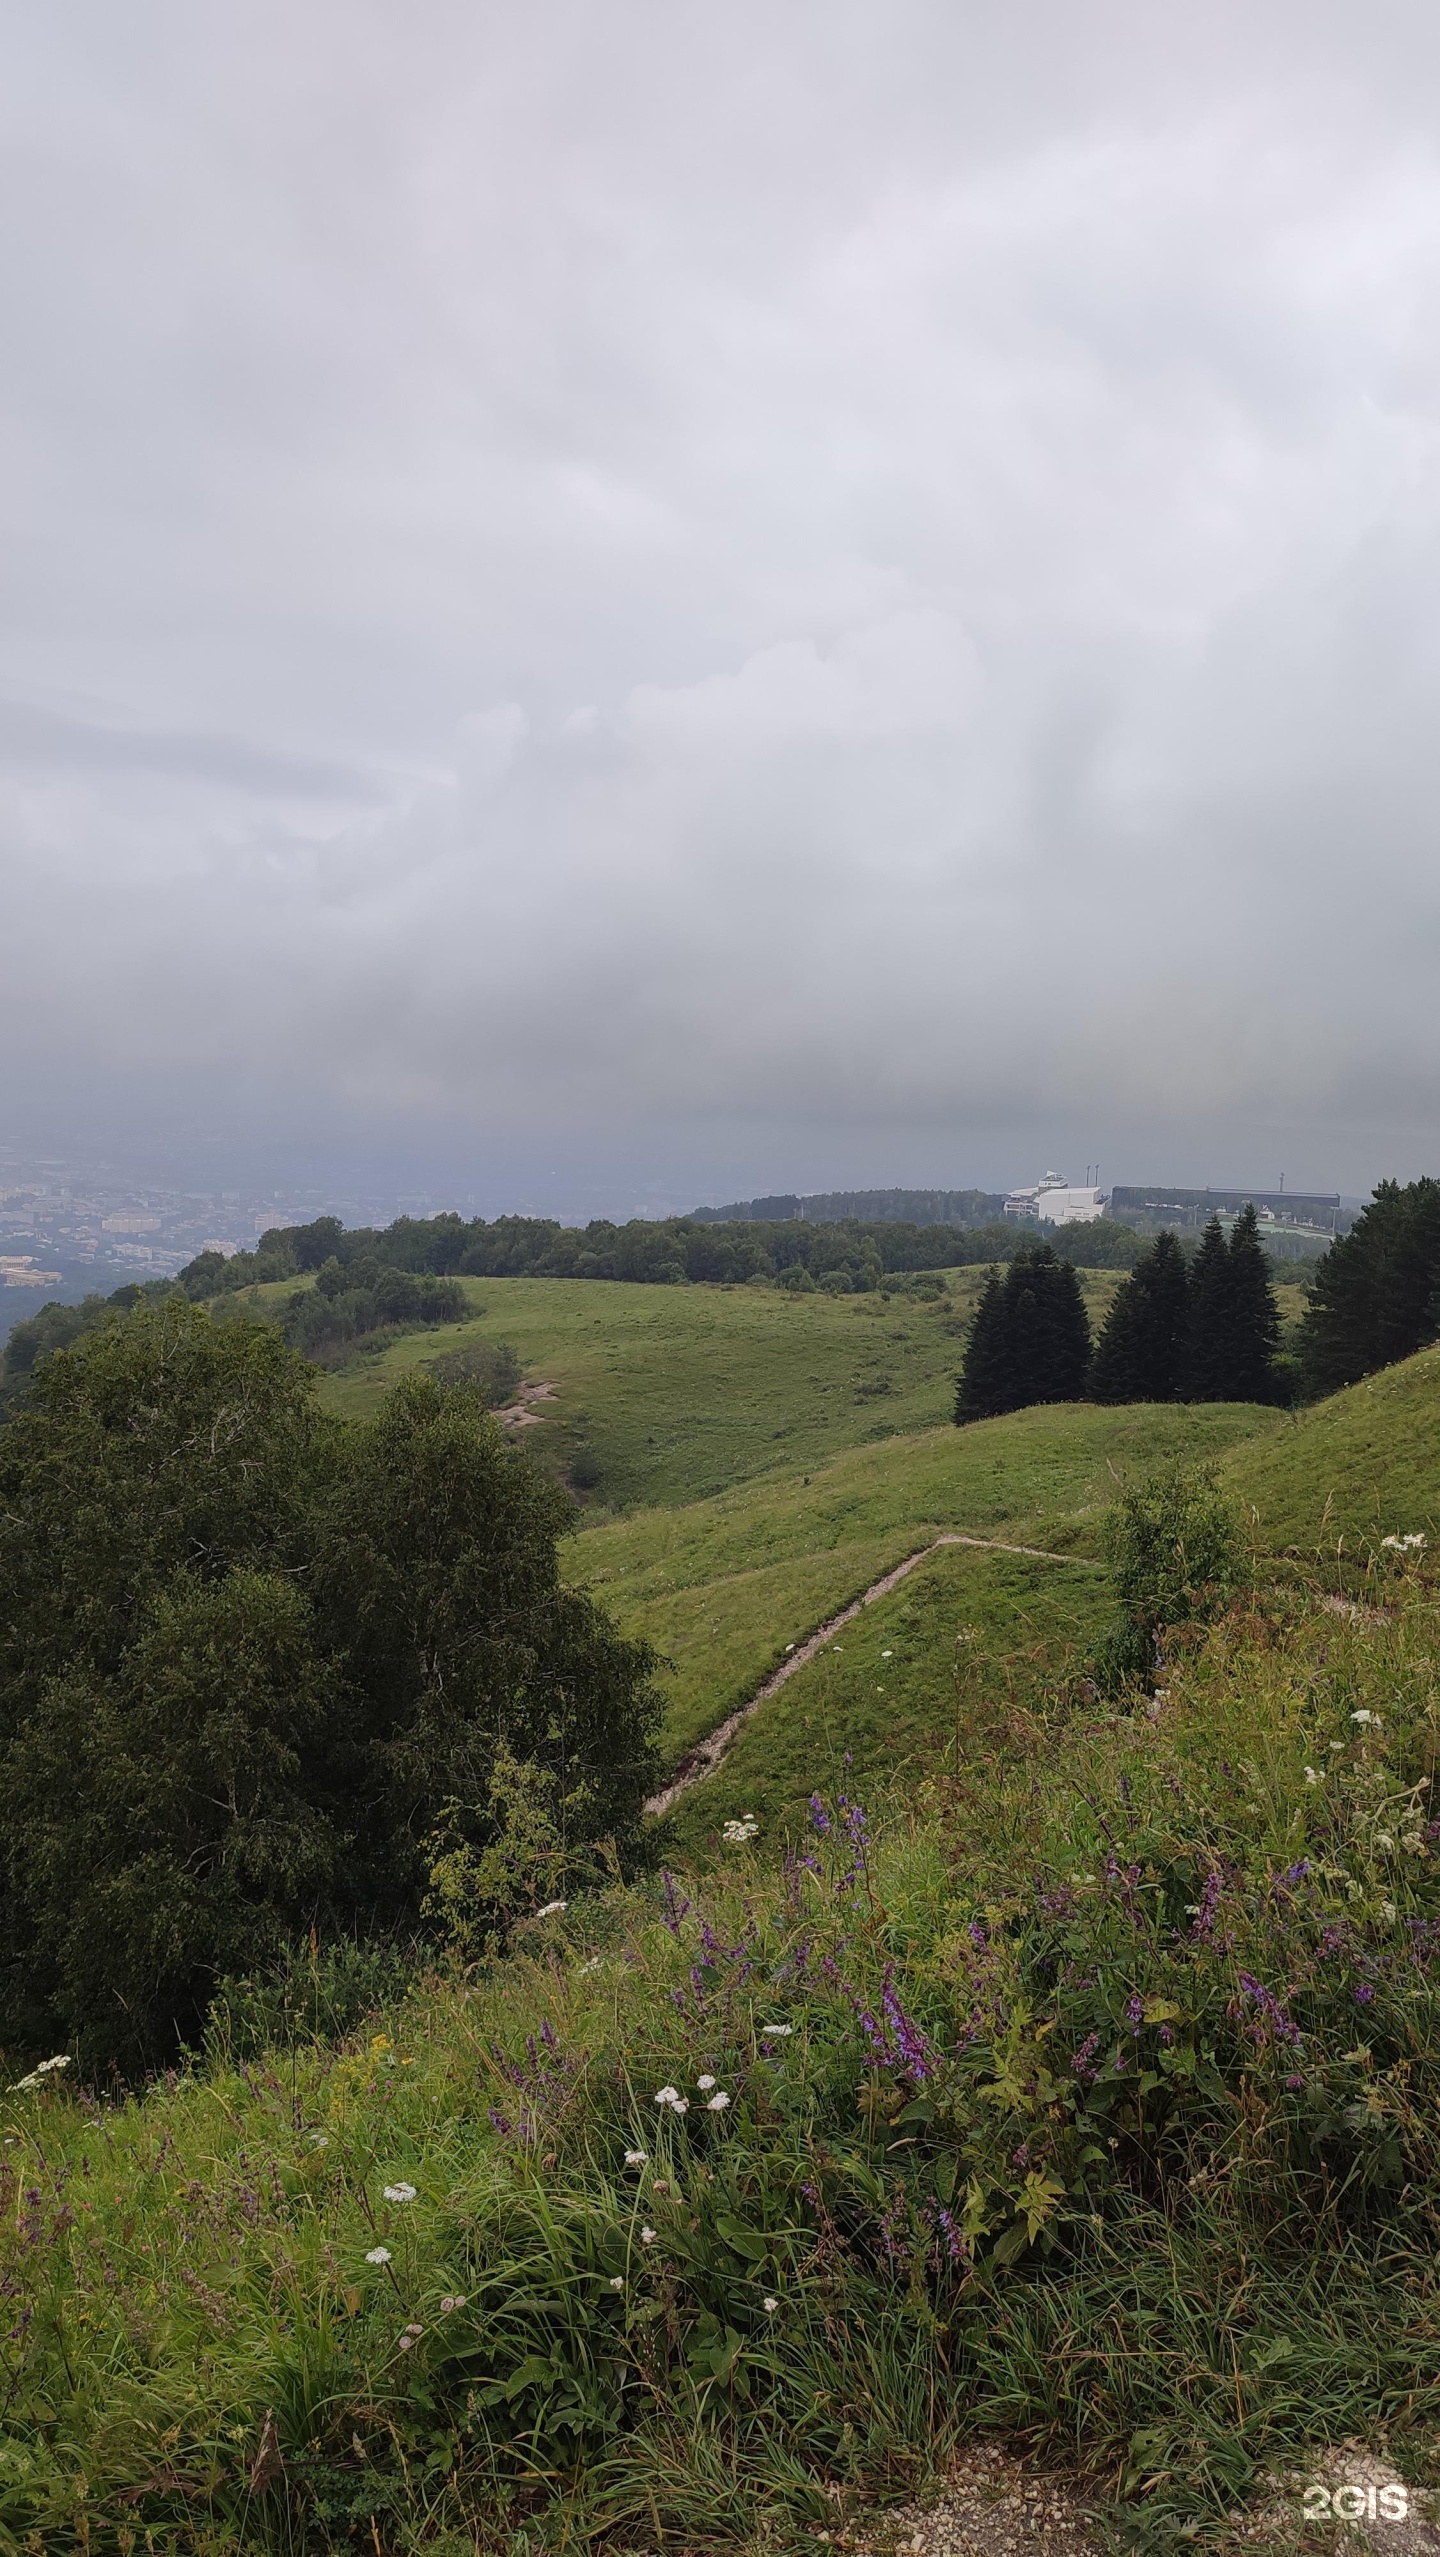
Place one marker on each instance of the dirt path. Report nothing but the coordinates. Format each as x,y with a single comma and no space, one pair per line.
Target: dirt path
708,1752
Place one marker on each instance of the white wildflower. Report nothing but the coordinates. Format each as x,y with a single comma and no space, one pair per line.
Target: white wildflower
636,2157
718,2102
667,2095
705,2083
318,2139
407,2343
553,1909
399,2192
451,2301
647,2237
1362,1713
1414,1544
769,2306
41,2071
887,1655
616,2284
738,1833
681,2104
775,2032
377,2255
1313,1776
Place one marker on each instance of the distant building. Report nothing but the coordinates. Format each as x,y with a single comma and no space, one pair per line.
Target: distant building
22,1272
1307,1218
1053,1201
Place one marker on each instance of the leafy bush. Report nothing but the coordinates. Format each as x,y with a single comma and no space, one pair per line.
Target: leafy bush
250,1658
1176,1547
490,1369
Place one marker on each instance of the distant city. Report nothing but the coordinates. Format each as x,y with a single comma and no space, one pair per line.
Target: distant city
65,1231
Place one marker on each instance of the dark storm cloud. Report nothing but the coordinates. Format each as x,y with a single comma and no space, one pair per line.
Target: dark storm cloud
727,598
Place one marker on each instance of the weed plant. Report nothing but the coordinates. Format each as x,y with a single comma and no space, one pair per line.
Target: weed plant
1091,2102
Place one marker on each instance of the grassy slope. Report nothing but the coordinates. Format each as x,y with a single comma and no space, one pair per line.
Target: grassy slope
179,2264
1363,1464
677,1393
892,1697
723,1585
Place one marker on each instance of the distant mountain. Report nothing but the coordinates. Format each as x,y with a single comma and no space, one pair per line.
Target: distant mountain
875,1207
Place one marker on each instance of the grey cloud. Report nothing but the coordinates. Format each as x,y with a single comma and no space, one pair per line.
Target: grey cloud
777,597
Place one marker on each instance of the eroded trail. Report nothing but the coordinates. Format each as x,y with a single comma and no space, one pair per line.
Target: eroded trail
708,1752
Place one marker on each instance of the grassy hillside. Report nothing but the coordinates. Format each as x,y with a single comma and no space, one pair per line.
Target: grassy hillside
673,1393
1089,2100
903,1690
722,1586
1363,1464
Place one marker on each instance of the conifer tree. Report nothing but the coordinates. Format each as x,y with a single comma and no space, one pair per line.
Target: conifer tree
984,1387
1254,1317
1047,1329
1140,1355
1376,1295
1029,1342
1208,1356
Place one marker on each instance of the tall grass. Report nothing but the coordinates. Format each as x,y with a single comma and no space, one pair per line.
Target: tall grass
1091,2102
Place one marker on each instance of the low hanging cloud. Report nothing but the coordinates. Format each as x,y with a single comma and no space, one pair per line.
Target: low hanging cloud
601,607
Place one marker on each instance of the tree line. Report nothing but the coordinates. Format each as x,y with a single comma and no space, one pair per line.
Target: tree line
660,1251
1201,1331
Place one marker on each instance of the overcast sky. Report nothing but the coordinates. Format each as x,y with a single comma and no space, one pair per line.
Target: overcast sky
639,601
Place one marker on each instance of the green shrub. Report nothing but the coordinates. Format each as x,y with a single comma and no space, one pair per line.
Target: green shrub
251,1657
1176,1546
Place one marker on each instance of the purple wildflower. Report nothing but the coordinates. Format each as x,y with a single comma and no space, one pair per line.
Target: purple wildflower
1272,2013
819,1817
1364,1992
909,2041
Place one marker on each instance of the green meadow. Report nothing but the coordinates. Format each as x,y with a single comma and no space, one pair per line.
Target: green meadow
672,1394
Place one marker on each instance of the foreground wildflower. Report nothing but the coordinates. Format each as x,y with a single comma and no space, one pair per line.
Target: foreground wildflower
637,2157
377,2255
738,1833
718,2102
399,2192
41,2071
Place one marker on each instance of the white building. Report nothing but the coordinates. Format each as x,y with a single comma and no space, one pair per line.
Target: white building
1057,1203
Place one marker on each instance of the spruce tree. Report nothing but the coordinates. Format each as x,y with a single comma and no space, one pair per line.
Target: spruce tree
985,1383
1208,1351
1029,1342
1254,1317
1376,1295
1048,1329
1140,1355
